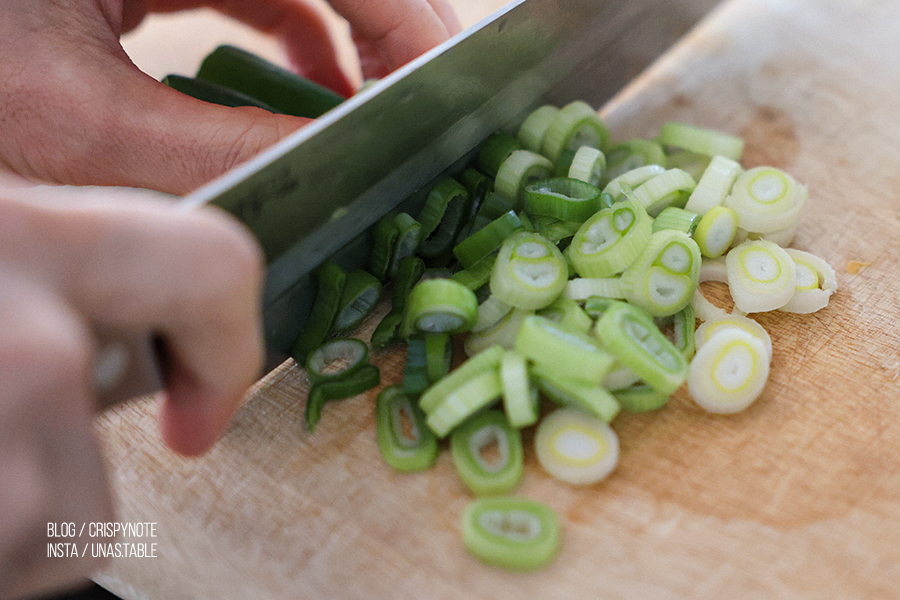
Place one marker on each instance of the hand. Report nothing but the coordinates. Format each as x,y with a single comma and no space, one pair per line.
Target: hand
70,262
74,109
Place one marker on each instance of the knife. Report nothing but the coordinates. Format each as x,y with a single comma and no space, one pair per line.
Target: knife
314,194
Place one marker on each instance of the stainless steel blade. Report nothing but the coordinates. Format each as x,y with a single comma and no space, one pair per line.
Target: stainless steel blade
310,195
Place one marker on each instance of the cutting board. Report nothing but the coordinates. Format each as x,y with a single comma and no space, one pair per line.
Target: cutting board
797,497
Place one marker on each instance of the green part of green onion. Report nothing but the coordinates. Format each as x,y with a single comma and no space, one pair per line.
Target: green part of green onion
475,394
361,293
670,188
409,236
212,92
520,169
582,288
606,200
554,229
708,142
487,360
632,179
366,377
716,231
595,306
520,397
384,238
630,335
494,207
487,239
569,353
386,330
516,534
534,127
714,185
530,272
564,163
443,215
640,398
692,163
576,124
487,453
409,271
684,328
336,359
478,275
503,333
562,198
415,371
331,280
608,242
496,149
405,441
676,218
662,280
438,355
568,314
576,447
440,306
631,154
576,393
271,84
588,165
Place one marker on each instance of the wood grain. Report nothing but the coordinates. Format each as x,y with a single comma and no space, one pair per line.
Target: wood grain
797,497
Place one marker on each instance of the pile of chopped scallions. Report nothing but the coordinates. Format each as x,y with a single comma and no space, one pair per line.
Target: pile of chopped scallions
572,267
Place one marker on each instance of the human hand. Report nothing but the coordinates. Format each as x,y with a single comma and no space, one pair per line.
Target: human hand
75,260
74,109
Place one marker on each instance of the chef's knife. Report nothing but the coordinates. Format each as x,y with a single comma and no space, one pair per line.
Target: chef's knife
316,192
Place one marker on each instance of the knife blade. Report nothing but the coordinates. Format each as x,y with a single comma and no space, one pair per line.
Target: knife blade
314,194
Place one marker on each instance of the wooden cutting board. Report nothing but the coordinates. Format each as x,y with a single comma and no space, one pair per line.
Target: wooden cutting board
798,497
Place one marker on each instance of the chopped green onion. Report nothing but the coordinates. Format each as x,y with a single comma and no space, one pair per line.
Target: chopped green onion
534,127
670,188
595,306
782,237
520,398
716,231
405,441
608,242
521,168
709,328
335,359
714,185
576,447
663,278
445,210
632,179
212,92
415,371
816,282
640,398
562,198
761,276
487,239
503,333
530,272
582,288
568,314
701,140
384,241
567,353
458,405
631,154
691,162
440,306
478,275
438,355
409,271
554,230
494,207
409,236
766,199
490,312
729,371
588,397
512,533
353,383
487,360
575,125
496,149
676,218
331,281
630,335
487,453
588,165
358,300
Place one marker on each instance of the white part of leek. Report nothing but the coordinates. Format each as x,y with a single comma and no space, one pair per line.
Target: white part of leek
761,276
729,371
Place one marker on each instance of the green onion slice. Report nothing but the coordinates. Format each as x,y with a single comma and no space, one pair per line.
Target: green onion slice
384,238
331,280
664,277
209,91
766,199
487,453
530,272
336,359
782,237
575,125
576,447
490,312
409,271
761,276
588,165
409,237
361,293
609,241
678,219
570,354
670,188
700,140
445,211
630,335
517,534
475,394
716,231
568,314
554,230
582,288
487,239
816,282
714,185
440,306
478,275
640,398
632,179
562,198
729,371
405,441
534,127
587,397
520,398
709,328
487,360
632,154
503,333
354,383
521,168
496,149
